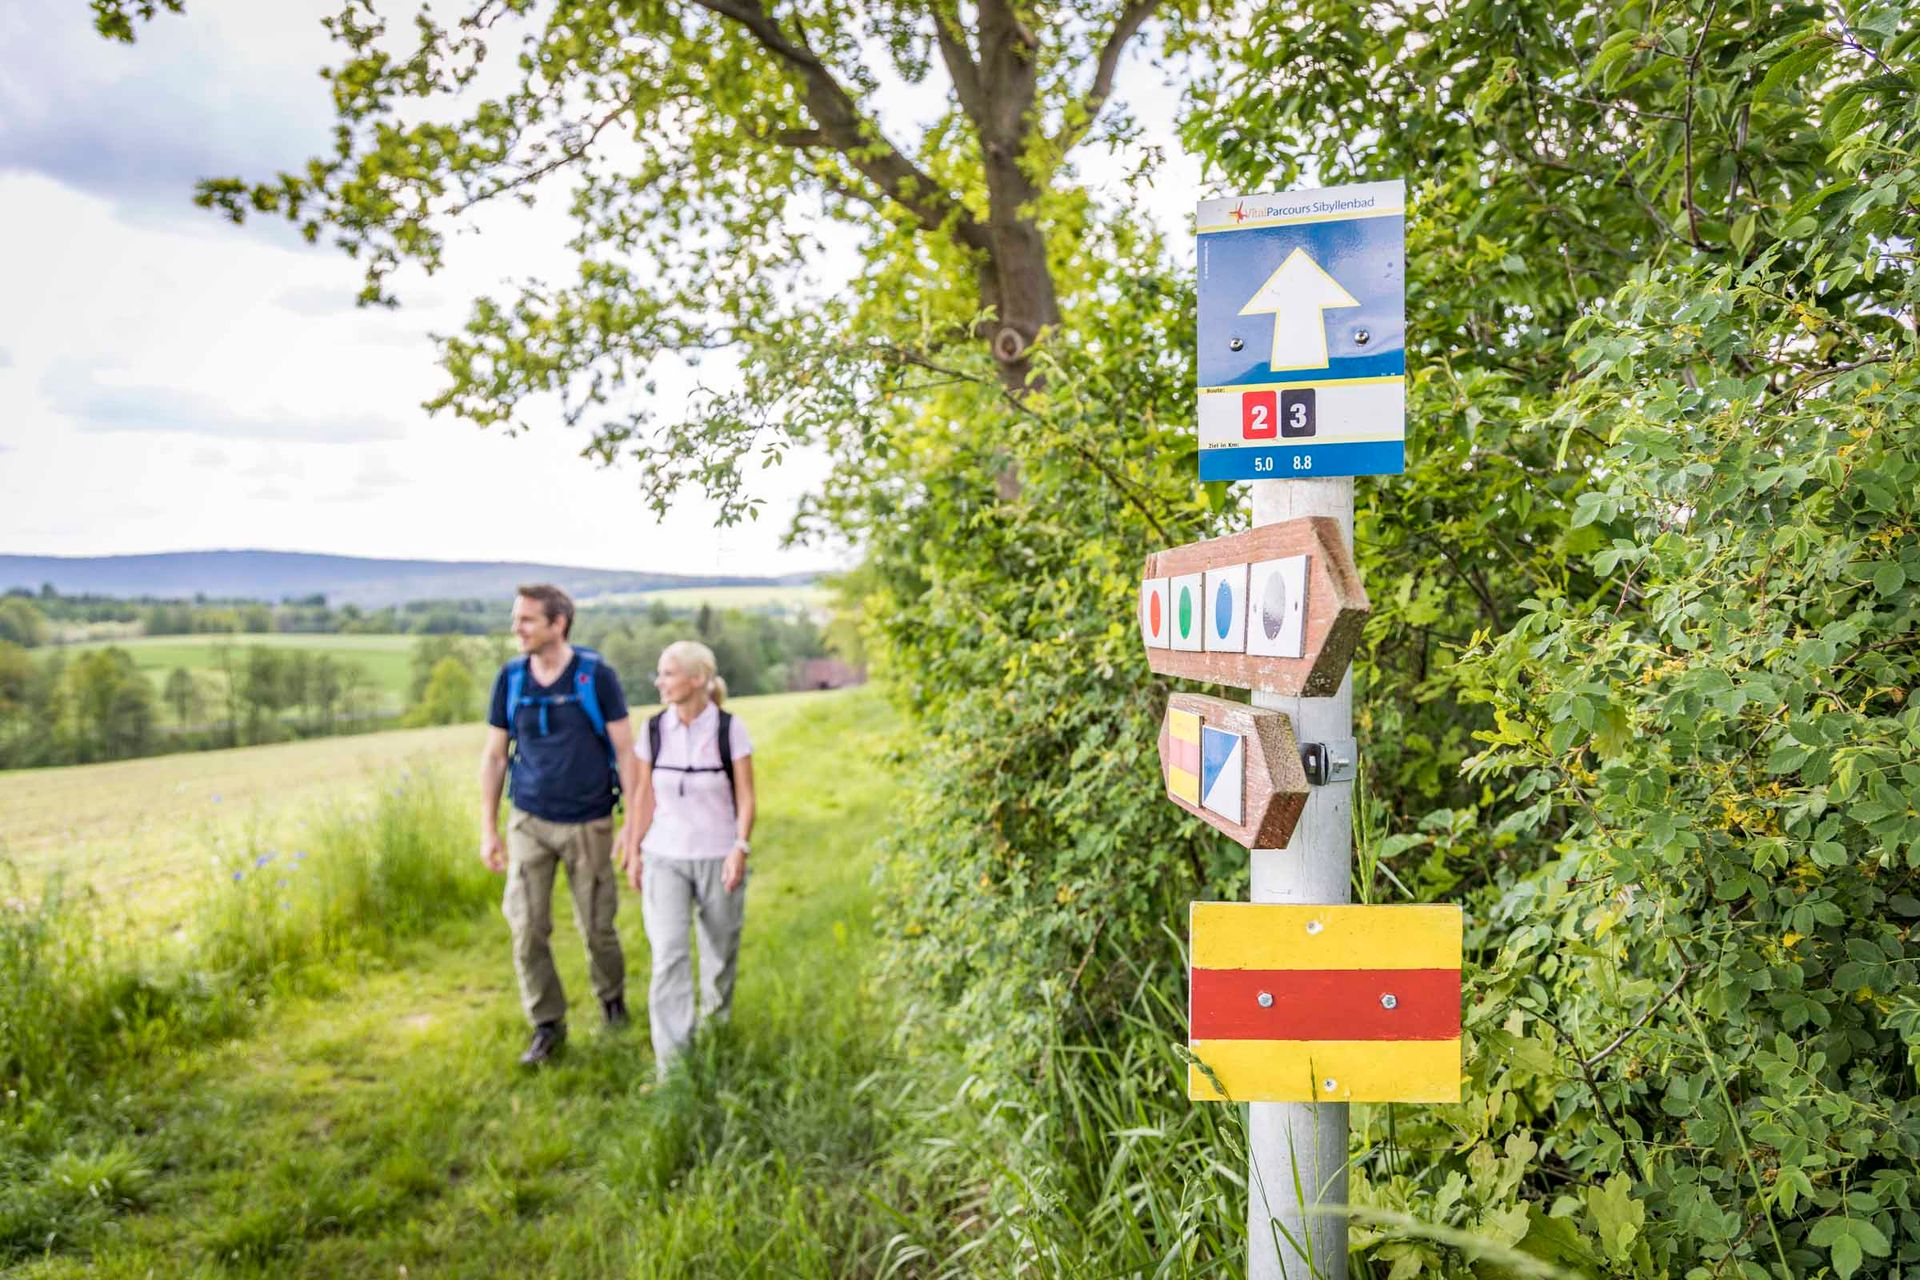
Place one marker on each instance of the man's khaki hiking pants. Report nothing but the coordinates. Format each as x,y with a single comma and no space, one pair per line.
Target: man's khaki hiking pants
536,848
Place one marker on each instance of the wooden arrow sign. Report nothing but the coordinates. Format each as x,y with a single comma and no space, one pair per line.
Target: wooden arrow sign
1324,1004
1234,766
1278,608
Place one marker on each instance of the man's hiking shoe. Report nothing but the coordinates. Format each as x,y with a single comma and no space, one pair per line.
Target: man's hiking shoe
615,1011
548,1037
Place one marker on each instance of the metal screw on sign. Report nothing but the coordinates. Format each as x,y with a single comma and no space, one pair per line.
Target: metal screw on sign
1389,1001
1361,337
1235,344
1314,926
1328,1084
1265,999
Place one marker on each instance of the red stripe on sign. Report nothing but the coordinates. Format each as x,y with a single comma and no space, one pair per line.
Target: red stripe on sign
1326,1004
1186,756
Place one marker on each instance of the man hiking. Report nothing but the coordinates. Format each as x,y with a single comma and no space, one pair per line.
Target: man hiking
558,723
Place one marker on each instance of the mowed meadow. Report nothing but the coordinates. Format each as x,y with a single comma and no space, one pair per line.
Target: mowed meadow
384,662
265,1025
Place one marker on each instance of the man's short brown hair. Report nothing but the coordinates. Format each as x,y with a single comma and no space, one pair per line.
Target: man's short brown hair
553,602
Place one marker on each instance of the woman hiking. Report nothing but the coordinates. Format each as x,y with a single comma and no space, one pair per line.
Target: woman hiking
694,814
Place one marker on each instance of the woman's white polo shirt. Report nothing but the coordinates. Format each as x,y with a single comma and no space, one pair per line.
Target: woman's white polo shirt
693,814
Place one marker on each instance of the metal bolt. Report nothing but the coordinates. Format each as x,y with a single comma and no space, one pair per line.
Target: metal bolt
1265,999
1361,337
1314,926
1234,344
1389,1000
1327,1085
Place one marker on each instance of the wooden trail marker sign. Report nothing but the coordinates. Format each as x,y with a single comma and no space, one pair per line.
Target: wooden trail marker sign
1234,766
1278,608
1324,1003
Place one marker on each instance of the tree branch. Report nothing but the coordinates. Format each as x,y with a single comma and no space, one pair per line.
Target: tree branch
1679,982
961,67
843,128
1128,25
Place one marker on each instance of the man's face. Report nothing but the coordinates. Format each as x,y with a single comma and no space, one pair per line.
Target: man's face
531,627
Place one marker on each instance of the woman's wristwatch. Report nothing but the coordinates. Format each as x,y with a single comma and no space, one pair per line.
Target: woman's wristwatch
741,846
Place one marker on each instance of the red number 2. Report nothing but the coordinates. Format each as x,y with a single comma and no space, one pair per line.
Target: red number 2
1259,415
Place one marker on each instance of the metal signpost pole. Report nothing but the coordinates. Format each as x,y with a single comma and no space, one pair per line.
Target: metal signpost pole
1301,371
1297,1151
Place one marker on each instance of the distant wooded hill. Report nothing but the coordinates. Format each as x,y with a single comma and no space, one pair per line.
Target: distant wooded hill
283,575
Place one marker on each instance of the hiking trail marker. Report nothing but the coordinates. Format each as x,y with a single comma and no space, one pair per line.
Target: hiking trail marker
1302,333
1278,608
1233,766
1304,1003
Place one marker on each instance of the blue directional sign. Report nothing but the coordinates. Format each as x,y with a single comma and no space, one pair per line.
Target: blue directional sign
1303,360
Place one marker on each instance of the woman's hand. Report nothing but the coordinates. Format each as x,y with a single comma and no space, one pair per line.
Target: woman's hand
734,873
631,860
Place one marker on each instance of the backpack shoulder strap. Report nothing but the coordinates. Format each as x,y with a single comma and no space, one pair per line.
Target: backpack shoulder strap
653,737
516,689
586,676
726,755
586,690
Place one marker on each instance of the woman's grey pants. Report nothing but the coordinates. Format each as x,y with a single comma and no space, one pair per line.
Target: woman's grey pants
679,894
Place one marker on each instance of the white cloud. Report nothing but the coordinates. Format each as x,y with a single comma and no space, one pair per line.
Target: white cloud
184,383
93,405
234,90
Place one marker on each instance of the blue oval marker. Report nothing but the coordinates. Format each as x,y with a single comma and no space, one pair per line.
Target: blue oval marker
1223,611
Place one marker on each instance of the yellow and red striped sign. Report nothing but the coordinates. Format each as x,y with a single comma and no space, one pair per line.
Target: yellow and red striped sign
1183,755
1324,1003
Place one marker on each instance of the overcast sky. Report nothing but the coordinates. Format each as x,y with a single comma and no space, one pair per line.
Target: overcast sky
169,381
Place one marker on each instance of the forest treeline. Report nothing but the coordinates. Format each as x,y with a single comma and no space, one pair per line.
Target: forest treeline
109,617
77,706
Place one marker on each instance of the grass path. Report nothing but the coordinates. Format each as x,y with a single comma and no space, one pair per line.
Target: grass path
379,1127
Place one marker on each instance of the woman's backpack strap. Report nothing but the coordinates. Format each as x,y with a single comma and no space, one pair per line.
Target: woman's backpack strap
726,755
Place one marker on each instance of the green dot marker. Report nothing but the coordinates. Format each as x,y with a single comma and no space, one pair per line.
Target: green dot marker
1186,611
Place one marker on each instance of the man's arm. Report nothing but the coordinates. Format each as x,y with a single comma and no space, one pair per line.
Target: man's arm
493,777
620,737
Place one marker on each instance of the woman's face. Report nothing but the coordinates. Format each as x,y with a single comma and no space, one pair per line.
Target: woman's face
676,686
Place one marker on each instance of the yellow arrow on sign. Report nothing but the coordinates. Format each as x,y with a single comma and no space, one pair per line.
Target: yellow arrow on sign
1297,296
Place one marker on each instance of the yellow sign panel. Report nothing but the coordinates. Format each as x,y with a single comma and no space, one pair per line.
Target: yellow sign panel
1324,1003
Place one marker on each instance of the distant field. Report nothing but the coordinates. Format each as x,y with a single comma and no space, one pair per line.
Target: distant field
385,659
146,834
767,598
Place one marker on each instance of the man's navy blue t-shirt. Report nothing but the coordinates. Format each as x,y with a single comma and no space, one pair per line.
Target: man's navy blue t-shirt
561,775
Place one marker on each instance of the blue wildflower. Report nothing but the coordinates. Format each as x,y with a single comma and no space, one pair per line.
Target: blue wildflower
263,860
238,874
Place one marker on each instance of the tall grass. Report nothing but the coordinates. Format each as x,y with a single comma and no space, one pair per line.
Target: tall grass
365,877
81,997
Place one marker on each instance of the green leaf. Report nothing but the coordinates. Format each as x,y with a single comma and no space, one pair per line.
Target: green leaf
1846,1255
1869,1237
1617,1216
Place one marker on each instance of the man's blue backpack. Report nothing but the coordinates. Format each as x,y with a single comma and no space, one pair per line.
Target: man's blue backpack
581,692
